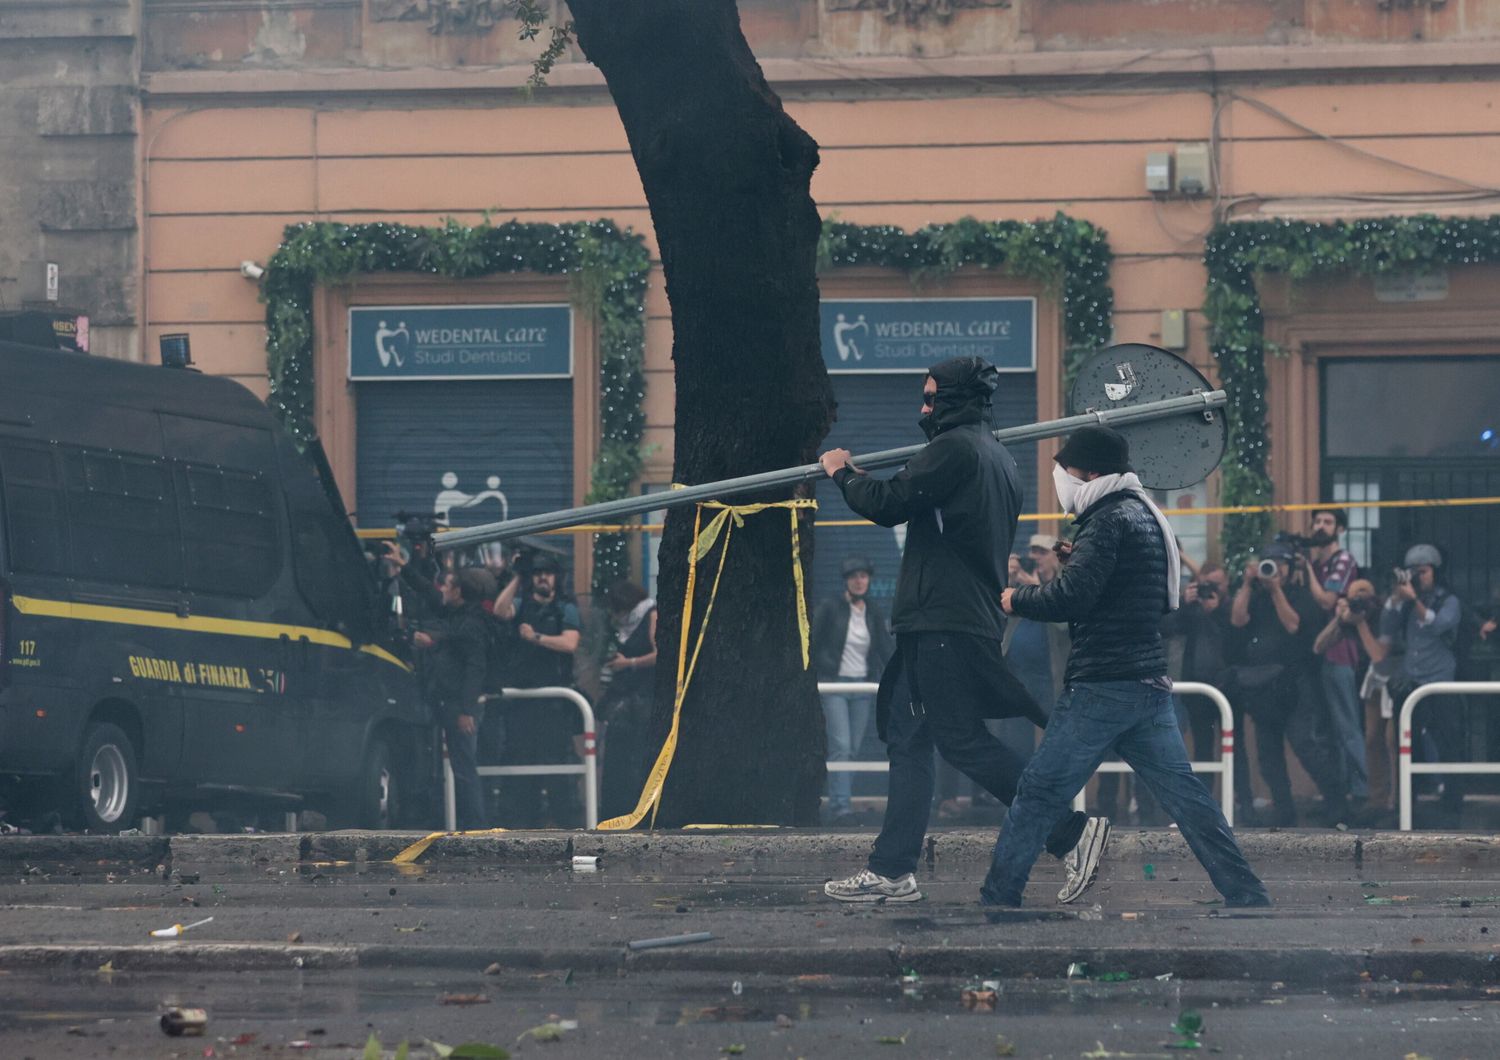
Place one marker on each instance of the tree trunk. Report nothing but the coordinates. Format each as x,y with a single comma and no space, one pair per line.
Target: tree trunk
727,175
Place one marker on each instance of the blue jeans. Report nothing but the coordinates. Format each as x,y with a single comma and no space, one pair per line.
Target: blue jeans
1136,721
847,719
940,709
468,796
1347,716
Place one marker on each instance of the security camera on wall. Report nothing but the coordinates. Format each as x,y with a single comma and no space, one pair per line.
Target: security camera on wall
251,271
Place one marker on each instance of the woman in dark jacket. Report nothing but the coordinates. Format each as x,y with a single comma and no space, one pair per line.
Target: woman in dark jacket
625,705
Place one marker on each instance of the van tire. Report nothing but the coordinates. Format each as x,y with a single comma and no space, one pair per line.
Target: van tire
378,799
107,787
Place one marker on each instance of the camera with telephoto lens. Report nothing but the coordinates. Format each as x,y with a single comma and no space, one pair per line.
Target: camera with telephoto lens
1360,605
1207,590
416,526
1267,568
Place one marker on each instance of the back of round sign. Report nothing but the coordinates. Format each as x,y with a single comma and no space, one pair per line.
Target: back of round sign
1168,453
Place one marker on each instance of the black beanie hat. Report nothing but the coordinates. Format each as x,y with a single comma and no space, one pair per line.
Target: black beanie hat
1101,449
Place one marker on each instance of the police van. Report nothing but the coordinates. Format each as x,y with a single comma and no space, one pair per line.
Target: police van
185,611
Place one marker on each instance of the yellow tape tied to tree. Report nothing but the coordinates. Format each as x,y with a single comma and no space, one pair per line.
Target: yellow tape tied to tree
704,538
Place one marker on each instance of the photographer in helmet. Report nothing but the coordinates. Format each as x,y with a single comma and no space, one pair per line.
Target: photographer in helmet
1423,617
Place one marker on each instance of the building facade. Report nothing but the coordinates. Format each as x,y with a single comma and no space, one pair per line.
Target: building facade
1154,123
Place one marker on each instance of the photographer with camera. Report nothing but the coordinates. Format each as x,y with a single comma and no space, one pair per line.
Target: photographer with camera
1201,628
1421,619
1330,570
540,731
453,659
1274,681
1344,644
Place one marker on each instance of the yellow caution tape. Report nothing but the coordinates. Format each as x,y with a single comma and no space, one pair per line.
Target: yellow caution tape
417,849
704,538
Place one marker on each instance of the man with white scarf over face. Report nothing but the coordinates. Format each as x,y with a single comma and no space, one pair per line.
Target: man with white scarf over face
1121,576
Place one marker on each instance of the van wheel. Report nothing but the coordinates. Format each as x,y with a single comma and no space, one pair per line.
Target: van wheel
108,786
378,798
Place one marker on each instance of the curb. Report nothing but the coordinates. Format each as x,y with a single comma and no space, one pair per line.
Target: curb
522,848
1290,965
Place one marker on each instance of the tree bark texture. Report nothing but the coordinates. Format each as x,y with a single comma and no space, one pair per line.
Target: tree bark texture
727,176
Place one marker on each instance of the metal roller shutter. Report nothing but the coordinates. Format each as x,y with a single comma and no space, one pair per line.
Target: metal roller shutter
881,412
425,446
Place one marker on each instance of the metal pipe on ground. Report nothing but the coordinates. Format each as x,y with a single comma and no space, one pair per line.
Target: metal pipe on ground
611,511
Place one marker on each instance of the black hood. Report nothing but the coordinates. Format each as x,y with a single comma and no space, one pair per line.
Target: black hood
965,387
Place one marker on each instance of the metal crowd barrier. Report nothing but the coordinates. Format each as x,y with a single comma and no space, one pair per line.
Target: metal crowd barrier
1403,749
1224,765
589,767
853,688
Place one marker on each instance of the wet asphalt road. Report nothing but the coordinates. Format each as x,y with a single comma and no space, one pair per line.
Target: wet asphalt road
675,1015
817,979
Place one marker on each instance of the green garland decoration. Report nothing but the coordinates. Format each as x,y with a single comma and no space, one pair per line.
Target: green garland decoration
609,268
1067,255
1237,253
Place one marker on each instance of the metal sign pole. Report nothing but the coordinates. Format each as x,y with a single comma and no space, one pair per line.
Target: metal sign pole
613,511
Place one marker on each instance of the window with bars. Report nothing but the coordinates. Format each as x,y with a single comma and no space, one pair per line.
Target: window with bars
1350,488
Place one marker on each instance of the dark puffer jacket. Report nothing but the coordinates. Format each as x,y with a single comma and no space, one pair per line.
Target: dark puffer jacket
1112,592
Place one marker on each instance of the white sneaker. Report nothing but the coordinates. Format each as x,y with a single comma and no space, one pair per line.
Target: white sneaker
867,886
1082,862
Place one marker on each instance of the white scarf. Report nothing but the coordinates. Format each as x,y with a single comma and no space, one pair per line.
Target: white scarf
1095,490
626,626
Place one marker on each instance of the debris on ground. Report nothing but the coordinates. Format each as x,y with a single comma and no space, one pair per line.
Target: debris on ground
1148,871
733,1050
548,1032
464,999
493,969
467,1051
1004,1047
892,1039
294,938
1112,977
977,998
184,1022
1189,1030
373,1050
670,940
178,929
1078,970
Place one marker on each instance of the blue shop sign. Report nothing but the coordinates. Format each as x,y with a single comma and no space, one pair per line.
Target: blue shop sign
461,342
912,334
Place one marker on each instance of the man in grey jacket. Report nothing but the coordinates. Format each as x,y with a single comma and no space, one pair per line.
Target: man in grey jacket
1423,617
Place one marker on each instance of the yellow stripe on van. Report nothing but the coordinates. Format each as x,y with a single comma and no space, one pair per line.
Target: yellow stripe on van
232,627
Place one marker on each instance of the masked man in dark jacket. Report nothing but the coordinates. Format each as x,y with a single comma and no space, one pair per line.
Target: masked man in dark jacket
1123,574
959,497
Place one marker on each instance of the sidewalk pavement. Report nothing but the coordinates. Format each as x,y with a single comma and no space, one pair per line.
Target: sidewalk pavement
964,846
1350,908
